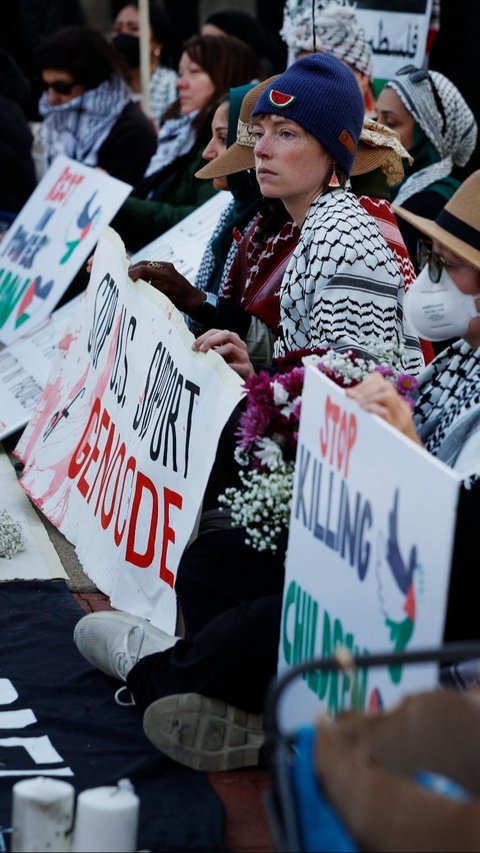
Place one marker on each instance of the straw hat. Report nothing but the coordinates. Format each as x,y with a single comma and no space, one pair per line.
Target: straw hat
238,156
457,226
379,147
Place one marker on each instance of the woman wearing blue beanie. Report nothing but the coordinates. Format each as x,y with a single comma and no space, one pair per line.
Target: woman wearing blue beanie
342,286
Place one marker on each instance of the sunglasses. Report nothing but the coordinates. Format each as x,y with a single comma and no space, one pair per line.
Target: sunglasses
61,87
418,75
426,256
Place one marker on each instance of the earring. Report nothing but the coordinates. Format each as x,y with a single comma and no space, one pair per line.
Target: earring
334,183
156,52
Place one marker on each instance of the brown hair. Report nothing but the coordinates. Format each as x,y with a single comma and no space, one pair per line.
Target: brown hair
228,62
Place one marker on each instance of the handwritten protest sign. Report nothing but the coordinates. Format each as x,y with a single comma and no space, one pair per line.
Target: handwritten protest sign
119,449
184,244
25,366
396,31
50,239
368,562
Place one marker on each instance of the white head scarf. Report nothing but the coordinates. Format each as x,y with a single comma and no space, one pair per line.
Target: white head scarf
446,119
337,32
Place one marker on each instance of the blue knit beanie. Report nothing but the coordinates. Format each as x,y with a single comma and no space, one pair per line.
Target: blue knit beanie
322,95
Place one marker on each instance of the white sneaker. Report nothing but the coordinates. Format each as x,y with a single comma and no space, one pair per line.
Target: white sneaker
203,733
114,641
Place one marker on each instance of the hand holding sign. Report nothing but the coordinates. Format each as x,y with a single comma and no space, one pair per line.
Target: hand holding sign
164,277
378,396
230,346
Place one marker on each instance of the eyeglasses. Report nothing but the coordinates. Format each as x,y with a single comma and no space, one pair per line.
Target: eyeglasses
61,87
418,75
427,256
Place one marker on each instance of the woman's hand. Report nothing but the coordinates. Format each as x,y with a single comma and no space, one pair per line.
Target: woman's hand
230,346
378,396
165,278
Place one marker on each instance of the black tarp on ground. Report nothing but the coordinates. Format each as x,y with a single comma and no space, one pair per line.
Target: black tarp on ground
100,741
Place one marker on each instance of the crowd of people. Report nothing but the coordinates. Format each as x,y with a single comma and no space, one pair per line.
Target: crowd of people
309,253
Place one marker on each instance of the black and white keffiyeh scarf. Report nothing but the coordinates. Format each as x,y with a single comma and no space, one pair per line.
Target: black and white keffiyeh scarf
447,409
79,128
343,287
176,137
446,120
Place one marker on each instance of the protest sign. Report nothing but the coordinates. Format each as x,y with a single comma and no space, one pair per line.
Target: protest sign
51,237
118,451
396,31
368,562
184,244
25,366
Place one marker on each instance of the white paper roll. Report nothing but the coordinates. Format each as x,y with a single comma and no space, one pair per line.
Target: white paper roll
42,815
106,820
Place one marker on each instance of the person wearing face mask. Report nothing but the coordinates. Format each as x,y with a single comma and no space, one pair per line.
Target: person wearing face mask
443,302
126,39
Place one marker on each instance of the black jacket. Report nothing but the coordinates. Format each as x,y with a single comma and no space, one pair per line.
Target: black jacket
128,149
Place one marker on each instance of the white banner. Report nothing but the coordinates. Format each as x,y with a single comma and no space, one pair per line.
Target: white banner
50,239
397,32
184,244
368,562
118,452
25,366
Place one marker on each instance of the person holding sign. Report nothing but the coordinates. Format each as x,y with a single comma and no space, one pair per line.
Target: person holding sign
87,108
444,302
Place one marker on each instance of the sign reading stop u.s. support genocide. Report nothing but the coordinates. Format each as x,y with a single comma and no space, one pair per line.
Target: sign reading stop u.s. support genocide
118,451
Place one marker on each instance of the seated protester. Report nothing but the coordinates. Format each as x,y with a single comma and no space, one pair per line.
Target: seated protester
342,286
438,129
321,27
202,695
126,39
249,304
209,67
17,170
87,108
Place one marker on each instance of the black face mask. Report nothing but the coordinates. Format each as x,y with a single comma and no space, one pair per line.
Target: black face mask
129,48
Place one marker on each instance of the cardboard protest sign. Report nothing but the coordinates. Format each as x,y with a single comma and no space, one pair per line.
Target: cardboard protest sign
118,452
396,31
25,366
51,237
184,244
368,562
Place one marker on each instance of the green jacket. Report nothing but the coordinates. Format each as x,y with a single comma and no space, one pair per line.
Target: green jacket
139,222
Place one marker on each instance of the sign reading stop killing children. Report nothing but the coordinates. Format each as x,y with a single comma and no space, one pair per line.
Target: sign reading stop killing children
118,451
368,559
51,237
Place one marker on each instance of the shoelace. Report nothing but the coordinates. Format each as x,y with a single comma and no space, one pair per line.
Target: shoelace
124,661
129,702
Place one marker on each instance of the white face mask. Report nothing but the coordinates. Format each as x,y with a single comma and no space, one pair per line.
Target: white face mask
439,311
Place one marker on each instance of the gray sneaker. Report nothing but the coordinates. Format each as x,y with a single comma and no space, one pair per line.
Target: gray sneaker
114,641
202,733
